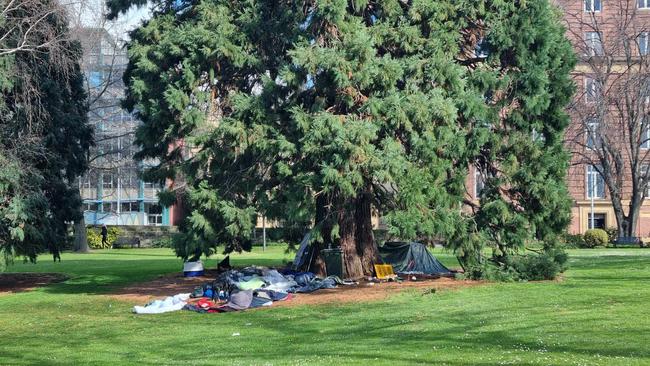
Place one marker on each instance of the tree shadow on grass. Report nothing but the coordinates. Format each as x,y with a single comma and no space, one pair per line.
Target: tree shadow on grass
102,276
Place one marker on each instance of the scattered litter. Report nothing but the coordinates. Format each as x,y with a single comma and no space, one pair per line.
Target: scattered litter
236,334
170,303
248,288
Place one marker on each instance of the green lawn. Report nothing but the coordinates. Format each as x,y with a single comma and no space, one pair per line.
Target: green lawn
598,315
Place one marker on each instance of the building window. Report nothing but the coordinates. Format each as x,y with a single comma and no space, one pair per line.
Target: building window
154,213
644,91
593,90
594,44
645,137
593,133
95,79
644,171
592,5
107,181
85,183
595,183
643,4
109,207
90,206
479,183
151,185
130,207
642,39
599,221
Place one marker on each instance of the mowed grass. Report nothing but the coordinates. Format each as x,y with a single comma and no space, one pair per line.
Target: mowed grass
597,315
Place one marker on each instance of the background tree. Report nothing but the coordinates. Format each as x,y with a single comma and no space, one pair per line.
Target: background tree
111,185
613,130
43,133
328,110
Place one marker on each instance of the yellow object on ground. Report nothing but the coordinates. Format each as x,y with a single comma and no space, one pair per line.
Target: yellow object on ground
384,271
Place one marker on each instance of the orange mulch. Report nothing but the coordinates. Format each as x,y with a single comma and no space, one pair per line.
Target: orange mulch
173,284
18,282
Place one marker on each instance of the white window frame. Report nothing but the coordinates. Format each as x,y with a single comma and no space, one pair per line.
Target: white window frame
85,182
88,206
643,43
644,169
594,42
154,219
109,206
644,90
590,6
104,184
643,4
593,90
592,172
593,140
645,135
131,205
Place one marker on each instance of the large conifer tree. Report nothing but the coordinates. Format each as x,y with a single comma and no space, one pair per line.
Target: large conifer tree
44,135
324,111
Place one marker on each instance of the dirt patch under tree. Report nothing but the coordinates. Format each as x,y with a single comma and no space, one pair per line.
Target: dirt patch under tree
172,284
18,282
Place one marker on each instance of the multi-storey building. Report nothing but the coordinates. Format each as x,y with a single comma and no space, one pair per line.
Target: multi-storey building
609,135
112,190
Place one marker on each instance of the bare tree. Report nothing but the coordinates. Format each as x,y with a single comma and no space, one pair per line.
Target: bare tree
611,132
112,185
111,165
26,26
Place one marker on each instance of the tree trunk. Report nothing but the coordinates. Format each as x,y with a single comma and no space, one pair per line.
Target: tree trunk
633,216
80,236
323,223
357,239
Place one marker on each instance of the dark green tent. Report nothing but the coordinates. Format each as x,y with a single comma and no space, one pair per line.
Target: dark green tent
411,258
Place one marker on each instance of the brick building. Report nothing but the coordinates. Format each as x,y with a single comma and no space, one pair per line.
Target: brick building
609,135
609,124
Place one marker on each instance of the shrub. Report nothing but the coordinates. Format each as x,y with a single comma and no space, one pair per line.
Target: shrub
95,237
574,241
612,234
535,267
544,265
595,237
165,242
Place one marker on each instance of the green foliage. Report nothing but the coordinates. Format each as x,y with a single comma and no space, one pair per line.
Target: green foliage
546,264
314,113
95,237
542,266
44,135
595,238
164,242
573,241
612,234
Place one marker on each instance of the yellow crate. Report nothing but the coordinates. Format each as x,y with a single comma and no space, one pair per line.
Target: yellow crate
384,271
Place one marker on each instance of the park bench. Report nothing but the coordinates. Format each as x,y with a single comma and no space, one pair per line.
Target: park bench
627,240
123,242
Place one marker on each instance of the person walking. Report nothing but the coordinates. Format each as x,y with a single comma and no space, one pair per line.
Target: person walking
104,236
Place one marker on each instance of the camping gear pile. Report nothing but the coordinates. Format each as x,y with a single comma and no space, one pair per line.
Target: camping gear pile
235,290
253,287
